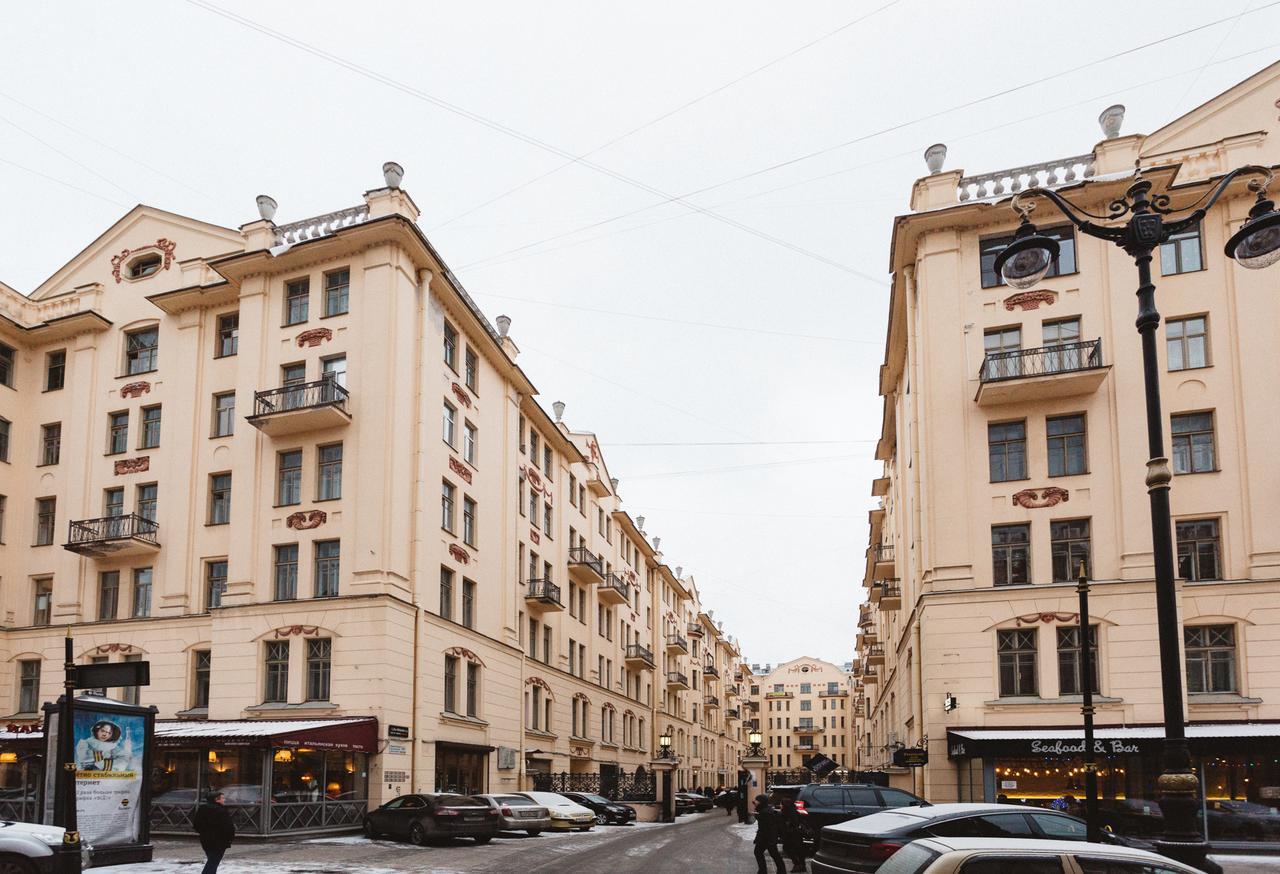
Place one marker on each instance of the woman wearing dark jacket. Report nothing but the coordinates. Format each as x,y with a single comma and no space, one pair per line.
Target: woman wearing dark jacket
792,835
767,834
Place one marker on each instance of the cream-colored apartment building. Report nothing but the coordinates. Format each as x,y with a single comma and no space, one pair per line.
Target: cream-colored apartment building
1014,449
297,470
805,708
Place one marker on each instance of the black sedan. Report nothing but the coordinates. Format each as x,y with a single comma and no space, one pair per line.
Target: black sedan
428,817
861,845
607,812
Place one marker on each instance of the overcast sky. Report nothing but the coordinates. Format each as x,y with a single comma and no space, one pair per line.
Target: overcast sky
749,313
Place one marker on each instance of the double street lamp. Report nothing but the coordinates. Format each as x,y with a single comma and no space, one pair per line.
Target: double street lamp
1152,221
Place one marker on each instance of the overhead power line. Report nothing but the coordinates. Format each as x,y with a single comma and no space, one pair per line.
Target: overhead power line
668,114
825,459
424,96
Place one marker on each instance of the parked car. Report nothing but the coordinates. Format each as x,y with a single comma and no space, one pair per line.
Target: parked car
436,816
28,848
565,814
1242,820
683,803
607,812
519,814
863,844
990,855
694,802
823,804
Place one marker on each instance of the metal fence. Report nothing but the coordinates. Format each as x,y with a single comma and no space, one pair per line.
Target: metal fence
619,786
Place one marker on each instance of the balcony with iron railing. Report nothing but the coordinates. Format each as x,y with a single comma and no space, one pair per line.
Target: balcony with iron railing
695,629
306,406
613,589
807,728
639,656
875,654
778,695
543,596
870,676
833,693
585,566
677,644
890,595
864,618
1019,375
710,670
733,690
884,564
711,702
114,536
677,680
732,713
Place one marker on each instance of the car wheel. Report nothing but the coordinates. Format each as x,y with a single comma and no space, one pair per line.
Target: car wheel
15,865
534,832
483,839
369,831
418,833
602,819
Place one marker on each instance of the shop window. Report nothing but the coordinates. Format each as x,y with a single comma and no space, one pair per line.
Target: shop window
1211,658
1007,451
1011,554
1070,545
1199,549
1016,649
1067,445
1069,674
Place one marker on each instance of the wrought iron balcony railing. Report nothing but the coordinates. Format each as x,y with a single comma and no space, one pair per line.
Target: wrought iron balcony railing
638,652
112,535
1044,361
884,552
676,642
303,396
543,591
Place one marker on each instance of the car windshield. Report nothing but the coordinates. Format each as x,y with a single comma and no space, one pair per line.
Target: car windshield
457,801
911,859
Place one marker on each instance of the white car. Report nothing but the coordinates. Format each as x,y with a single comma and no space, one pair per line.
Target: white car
565,814
1024,856
26,848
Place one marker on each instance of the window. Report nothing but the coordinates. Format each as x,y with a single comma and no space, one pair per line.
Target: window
108,594
286,571
446,593
546,519
1001,347
8,358
1199,549
42,612
289,478
29,686
141,350
219,499
1211,658
228,334
203,669
5,428
297,297
46,513
215,582
468,521
327,564
150,427
224,414
1016,649
546,461
146,502
1011,555
1193,445
51,443
470,439
451,684
1181,253
471,370
337,287
992,246
469,603
1069,675
1187,342
55,370
447,492
449,425
113,502
143,266
1007,451
473,689
451,346
3,501
117,433
1067,455
335,368
1070,542
141,606
276,689
319,666
329,472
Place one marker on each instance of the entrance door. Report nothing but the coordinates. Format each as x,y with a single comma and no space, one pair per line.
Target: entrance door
609,780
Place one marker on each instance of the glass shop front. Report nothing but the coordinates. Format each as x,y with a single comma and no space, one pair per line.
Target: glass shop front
1239,768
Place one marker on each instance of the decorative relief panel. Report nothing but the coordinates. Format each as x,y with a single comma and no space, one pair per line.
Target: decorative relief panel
1030,300
459,468
135,389
313,337
165,246
133,465
1035,499
305,520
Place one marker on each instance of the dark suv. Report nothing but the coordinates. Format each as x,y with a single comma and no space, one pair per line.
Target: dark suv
823,804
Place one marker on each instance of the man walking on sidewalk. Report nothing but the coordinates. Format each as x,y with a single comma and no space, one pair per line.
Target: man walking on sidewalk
213,824
767,834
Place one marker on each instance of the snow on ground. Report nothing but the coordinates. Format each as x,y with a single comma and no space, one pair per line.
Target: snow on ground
1243,864
234,866
744,831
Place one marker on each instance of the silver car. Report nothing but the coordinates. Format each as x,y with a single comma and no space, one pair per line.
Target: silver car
519,814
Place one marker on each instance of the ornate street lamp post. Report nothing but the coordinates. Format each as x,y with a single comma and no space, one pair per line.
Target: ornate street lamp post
1150,222
1086,709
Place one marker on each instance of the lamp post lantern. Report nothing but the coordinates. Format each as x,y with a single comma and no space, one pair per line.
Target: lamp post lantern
1151,221
754,739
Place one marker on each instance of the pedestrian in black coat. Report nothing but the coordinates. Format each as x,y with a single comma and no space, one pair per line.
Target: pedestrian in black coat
767,834
213,824
792,834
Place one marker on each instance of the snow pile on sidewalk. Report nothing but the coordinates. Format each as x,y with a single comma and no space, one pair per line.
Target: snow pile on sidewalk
237,866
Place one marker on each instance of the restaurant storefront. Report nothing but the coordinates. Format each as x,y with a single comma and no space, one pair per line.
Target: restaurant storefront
1238,763
462,768
21,771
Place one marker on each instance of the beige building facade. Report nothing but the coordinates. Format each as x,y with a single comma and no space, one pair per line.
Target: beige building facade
1014,450
805,709
297,470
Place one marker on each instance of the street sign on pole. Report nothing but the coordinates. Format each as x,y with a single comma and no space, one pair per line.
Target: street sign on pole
109,675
